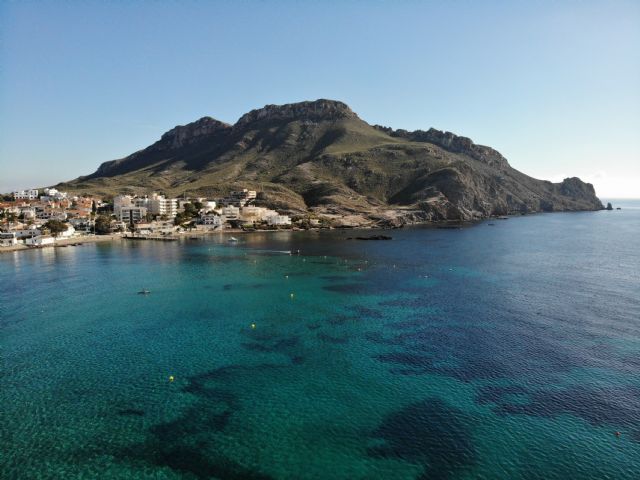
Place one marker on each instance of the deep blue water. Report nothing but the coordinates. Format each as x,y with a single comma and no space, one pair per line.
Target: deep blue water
498,351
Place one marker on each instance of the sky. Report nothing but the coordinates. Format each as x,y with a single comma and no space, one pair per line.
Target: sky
554,86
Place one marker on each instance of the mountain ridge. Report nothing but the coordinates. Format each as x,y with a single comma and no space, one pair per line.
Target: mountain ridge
319,157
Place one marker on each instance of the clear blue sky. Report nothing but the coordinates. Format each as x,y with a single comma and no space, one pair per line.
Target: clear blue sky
554,86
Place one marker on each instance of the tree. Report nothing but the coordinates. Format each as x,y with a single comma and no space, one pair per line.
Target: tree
56,227
103,225
94,208
181,218
190,210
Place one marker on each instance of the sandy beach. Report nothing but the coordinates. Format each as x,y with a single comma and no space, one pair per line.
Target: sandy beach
65,242
118,237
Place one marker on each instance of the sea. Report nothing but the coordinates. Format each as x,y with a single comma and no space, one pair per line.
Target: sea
509,349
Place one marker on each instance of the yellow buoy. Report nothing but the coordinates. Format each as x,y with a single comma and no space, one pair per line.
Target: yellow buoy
171,379
253,325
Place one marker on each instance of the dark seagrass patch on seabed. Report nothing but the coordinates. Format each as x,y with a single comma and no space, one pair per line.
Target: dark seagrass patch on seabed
366,312
349,288
334,278
238,286
331,339
468,352
131,412
429,433
187,444
269,341
341,319
618,407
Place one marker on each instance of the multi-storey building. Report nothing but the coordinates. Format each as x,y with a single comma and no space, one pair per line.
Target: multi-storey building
132,214
213,220
279,220
159,205
26,194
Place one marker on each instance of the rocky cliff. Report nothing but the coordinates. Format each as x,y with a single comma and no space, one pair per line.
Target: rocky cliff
321,157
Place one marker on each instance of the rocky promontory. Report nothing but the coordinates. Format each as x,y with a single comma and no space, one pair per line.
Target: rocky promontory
318,157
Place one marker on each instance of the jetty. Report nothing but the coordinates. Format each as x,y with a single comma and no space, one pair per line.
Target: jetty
162,238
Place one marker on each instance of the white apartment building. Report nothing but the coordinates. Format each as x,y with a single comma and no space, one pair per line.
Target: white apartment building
141,202
251,214
279,220
119,202
213,220
240,198
31,231
8,239
50,214
231,212
159,205
39,241
28,213
244,194
132,214
26,194
68,233
208,205
53,195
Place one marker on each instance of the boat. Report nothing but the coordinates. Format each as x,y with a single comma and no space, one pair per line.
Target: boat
233,239
144,291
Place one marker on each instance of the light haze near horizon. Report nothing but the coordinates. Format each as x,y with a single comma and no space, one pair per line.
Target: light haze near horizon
554,86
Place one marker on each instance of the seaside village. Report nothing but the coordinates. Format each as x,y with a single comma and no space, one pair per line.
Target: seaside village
36,218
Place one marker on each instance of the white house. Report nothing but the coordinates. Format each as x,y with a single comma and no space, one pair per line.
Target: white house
26,194
8,239
231,212
240,198
28,213
155,228
39,241
69,232
279,220
51,214
53,195
208,205
213,220
31,231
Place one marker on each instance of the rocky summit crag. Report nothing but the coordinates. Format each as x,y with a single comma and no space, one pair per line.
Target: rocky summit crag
321,157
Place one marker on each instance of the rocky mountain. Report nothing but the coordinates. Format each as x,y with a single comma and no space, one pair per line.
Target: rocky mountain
321,157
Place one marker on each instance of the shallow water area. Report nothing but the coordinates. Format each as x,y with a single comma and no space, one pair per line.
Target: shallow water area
503,351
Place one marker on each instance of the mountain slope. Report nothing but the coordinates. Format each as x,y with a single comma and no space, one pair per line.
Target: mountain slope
321,156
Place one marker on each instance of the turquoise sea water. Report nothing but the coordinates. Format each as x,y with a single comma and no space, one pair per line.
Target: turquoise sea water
498,351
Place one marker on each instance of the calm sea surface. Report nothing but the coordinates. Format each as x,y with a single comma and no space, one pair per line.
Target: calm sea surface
506,351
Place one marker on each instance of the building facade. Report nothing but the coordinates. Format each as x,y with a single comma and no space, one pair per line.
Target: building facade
159,205
276,220
213,220
26,194
132,214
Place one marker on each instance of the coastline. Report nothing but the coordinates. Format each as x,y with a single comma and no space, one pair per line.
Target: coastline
444,224
64,243
76,241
